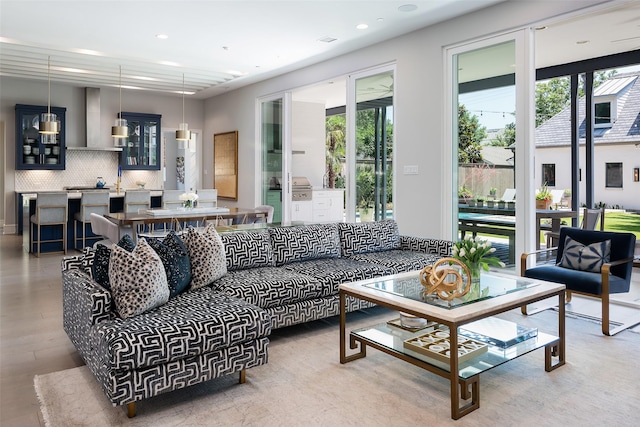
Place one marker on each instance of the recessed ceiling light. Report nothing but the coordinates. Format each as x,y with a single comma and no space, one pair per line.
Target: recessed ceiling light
407,8
380,19
362,26
327,39
162,36
582,42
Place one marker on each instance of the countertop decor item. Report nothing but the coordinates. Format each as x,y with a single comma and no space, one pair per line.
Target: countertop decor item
189,200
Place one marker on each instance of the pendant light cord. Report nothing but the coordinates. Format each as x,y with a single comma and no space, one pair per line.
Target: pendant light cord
182,97
49,80
120,84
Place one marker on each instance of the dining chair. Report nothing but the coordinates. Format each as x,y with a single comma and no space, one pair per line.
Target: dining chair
108,230
590,218
207,197
171,199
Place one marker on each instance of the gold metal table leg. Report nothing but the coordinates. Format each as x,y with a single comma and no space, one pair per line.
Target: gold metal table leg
343,335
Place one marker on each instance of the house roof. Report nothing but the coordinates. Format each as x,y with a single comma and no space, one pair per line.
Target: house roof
625,130
497,156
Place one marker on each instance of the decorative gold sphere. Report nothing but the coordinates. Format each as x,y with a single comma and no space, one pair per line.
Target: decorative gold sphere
439,280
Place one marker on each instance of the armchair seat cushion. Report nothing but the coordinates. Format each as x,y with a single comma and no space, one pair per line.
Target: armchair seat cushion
577,280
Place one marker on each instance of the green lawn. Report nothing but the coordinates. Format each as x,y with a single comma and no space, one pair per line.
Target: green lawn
623,222
614,221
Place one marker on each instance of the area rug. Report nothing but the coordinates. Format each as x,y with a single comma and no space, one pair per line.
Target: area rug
304,384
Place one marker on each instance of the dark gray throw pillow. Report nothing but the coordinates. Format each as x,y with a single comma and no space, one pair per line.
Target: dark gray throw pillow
100,267
175,259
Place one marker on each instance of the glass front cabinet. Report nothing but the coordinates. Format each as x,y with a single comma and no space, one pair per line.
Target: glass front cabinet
142,149
33,149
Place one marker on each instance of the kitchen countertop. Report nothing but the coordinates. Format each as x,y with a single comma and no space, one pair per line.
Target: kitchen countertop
77,194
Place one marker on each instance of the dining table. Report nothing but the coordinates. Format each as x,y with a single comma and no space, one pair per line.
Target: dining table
180,216
505,217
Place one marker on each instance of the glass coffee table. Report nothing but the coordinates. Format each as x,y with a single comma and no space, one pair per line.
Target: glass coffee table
429,348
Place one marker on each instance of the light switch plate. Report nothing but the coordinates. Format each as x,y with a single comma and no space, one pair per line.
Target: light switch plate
411,170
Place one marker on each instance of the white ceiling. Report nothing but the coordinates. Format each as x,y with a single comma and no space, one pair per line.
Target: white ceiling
218,45
222,45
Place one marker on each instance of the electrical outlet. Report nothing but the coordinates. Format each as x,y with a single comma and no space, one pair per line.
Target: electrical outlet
411,170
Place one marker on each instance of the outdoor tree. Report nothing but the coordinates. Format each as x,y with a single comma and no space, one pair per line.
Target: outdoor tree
506,138
335,147
470,134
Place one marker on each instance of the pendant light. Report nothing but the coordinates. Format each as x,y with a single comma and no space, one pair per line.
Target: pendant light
120,131
48,122
183,133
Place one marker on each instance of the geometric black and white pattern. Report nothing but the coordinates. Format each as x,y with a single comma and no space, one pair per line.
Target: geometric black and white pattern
247,250
577,256
359,238
301,243
275,278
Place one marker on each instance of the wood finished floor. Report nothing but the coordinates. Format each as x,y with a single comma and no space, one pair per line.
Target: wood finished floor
32,340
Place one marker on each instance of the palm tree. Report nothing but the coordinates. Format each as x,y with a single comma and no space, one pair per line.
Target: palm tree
335,147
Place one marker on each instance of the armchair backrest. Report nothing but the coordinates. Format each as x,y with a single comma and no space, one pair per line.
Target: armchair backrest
622,246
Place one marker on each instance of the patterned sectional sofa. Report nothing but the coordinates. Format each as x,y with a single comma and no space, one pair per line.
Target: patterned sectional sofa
275,278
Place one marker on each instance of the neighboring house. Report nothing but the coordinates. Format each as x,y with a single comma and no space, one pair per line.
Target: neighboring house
616,160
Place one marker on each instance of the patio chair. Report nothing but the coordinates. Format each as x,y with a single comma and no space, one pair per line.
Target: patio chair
590,218
583,266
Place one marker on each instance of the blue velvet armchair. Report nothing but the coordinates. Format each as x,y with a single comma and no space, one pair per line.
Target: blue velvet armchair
589,262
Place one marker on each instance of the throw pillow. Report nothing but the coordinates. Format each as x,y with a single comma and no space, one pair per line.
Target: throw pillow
577,256
207,256
100,267
174,257
138,280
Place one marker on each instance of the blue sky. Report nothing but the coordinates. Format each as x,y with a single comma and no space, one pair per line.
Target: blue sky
494,108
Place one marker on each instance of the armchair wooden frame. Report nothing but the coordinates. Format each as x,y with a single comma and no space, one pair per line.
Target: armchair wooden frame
604,296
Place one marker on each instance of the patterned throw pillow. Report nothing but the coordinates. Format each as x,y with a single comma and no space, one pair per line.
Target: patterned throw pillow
100,267
207,256
247,250
577,256
138,280
175,259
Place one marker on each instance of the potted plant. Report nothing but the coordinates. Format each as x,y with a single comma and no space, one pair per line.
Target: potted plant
511,204
501,204
493,191
480,201
490,203
464,195
543,198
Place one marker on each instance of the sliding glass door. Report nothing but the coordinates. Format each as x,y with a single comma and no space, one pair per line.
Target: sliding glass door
370,145
490,130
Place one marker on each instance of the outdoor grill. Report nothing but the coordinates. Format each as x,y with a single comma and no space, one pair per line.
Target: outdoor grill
301,189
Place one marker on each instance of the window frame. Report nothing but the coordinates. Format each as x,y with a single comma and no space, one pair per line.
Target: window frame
608,171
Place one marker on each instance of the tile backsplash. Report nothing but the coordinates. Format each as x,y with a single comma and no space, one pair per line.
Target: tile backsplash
82,169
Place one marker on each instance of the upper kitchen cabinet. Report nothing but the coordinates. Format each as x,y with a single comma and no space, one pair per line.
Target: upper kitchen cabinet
33,149
142,150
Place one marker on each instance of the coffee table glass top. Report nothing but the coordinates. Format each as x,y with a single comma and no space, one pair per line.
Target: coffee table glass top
491,286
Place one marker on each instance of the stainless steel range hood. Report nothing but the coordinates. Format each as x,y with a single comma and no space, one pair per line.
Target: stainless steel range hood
92,122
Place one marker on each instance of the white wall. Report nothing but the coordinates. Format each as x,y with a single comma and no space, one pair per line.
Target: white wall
627,197
308,136
418,105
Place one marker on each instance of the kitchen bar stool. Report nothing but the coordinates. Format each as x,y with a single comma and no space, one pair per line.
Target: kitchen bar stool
51,210
96,202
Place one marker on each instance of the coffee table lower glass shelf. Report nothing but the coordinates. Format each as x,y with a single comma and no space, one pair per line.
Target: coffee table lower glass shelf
391,339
